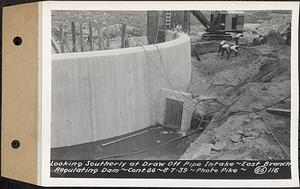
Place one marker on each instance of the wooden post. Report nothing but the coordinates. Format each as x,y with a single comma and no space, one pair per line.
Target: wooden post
61,38
108,38
195,52
81,37
123,28
91,36
66,45
126,41
73,36
100,37
55,46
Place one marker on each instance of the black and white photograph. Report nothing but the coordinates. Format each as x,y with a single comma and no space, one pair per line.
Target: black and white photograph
168,85
172,93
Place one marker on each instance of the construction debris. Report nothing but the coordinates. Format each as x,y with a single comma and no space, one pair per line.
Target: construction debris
236,138
251,86
124,138
218,146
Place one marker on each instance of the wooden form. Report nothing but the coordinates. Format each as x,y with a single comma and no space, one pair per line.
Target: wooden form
60,43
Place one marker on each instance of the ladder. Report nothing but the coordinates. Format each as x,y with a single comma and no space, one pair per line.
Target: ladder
168,20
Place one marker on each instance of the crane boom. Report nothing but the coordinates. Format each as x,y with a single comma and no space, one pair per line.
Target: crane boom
201,18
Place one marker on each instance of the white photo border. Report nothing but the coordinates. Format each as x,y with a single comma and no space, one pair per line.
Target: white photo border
45,9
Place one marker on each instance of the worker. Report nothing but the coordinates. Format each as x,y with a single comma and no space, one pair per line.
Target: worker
229,49
220,46
235,49
178,28
259,40
237,38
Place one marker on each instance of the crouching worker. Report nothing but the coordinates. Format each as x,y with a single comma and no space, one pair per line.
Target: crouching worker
235,49
237,38
220,46
229,49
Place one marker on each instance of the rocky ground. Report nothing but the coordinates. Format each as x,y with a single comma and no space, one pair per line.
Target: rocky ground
245,86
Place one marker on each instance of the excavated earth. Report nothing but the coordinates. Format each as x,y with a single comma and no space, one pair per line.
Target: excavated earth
244,86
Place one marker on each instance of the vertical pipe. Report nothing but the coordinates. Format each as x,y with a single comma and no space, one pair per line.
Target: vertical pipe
73,36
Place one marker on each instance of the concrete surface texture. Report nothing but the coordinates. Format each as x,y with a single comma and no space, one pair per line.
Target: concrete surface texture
103,94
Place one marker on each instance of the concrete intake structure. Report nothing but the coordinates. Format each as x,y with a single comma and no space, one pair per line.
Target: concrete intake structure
103,94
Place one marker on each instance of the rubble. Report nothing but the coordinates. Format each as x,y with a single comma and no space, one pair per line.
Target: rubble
236,138
218,146
247,139
261,77
247,120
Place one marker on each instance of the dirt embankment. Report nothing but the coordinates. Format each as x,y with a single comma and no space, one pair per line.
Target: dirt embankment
245,86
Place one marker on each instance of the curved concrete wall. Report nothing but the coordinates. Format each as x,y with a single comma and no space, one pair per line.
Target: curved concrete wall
102,94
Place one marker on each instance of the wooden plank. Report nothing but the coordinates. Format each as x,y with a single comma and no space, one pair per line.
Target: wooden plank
279,111
124,138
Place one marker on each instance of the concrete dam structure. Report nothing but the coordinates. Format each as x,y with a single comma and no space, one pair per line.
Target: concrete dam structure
102,94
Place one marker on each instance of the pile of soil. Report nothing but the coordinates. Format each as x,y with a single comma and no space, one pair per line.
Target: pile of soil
274,30
242,128
213,69
276,38
278,24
